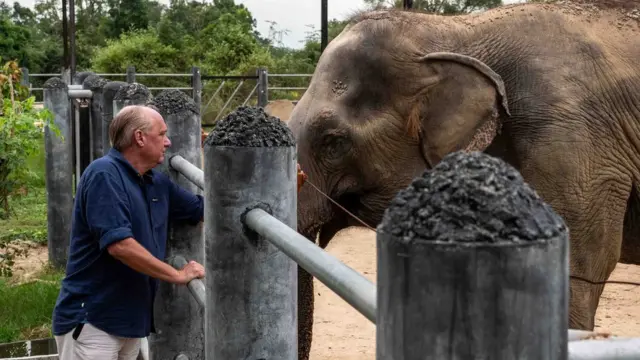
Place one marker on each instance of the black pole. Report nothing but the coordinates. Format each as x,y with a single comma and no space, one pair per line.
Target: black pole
72,38
324,30
407,4
65,37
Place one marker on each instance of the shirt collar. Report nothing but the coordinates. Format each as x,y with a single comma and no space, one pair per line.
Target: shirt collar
148,176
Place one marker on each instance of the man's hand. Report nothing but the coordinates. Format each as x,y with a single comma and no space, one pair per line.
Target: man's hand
191,271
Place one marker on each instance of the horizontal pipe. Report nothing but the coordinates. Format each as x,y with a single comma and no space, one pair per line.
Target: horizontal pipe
287,88
354,288
188,170
170,88
289,75
610,349
74,94
75,87
196,286
227,77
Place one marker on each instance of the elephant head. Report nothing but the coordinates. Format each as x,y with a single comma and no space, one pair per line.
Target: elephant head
383,105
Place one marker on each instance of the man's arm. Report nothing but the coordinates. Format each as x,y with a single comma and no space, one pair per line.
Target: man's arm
134,255
185,205
107,212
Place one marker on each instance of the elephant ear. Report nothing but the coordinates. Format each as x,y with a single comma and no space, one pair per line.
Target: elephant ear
458,107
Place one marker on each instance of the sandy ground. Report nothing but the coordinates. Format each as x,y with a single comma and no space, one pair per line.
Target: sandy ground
341,333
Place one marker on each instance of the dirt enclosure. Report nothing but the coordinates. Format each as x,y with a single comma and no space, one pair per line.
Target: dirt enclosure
341,333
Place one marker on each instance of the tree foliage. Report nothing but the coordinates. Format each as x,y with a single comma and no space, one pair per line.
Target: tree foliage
20,133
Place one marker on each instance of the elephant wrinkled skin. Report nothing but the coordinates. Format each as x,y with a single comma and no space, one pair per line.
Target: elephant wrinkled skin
553,90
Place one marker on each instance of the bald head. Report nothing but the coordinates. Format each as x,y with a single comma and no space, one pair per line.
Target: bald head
130,119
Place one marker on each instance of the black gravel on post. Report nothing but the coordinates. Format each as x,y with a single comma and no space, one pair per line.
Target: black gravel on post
250,127
54,83
472,264
135,92
173,102
93,82
471,198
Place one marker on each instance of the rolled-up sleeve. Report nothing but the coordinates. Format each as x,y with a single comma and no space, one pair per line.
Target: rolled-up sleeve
107,209
185,205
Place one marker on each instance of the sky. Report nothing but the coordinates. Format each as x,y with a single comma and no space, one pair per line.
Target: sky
292,15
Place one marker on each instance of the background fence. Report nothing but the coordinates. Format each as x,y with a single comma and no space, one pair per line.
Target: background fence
215,95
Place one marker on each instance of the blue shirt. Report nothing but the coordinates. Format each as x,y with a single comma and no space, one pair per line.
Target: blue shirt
114,202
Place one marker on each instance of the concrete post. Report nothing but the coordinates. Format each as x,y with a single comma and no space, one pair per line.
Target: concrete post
59,172
178,317
108,93
96,83
130,94
250,161
472,264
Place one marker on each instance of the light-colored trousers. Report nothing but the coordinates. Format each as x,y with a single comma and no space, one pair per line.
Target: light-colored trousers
93,343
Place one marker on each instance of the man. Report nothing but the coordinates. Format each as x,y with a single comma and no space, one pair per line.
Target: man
119,229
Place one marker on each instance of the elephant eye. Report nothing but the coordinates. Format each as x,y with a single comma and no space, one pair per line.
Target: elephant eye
336,145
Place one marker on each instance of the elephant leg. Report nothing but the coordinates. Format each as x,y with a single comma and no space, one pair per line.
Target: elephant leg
305,313
590,192
631,239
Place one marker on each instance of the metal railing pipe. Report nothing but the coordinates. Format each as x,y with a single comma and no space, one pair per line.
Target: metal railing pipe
188,170
350,285
196,286
610,349
77,94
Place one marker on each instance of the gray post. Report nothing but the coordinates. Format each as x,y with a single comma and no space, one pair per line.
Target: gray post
24,79
59,172
263,87
472,264
251,307
178,316
131,74
108,93
130,94
196,84
96,83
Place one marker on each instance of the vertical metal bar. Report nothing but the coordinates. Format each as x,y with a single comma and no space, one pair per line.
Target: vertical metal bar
131,74
72,38
263,87
324,27
196,84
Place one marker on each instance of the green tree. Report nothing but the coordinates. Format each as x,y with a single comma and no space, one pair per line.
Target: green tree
20,133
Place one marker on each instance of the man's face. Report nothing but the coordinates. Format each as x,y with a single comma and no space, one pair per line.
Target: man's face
155,140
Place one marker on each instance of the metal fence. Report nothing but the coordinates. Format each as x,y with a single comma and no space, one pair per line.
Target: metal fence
246,305
216,95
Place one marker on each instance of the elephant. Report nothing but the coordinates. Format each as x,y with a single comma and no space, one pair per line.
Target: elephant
551,89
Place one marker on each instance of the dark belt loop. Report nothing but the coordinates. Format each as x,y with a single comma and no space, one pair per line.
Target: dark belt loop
77,331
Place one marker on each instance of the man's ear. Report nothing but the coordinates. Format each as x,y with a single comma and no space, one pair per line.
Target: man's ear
137,135
459,105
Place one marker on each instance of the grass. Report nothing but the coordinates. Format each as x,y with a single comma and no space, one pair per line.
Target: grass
26,307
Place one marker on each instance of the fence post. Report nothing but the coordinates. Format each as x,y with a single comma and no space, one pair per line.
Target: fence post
263,87
131,74
178,316
471,264
251,298
108,93
196,84
59,171
95,83
130,94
